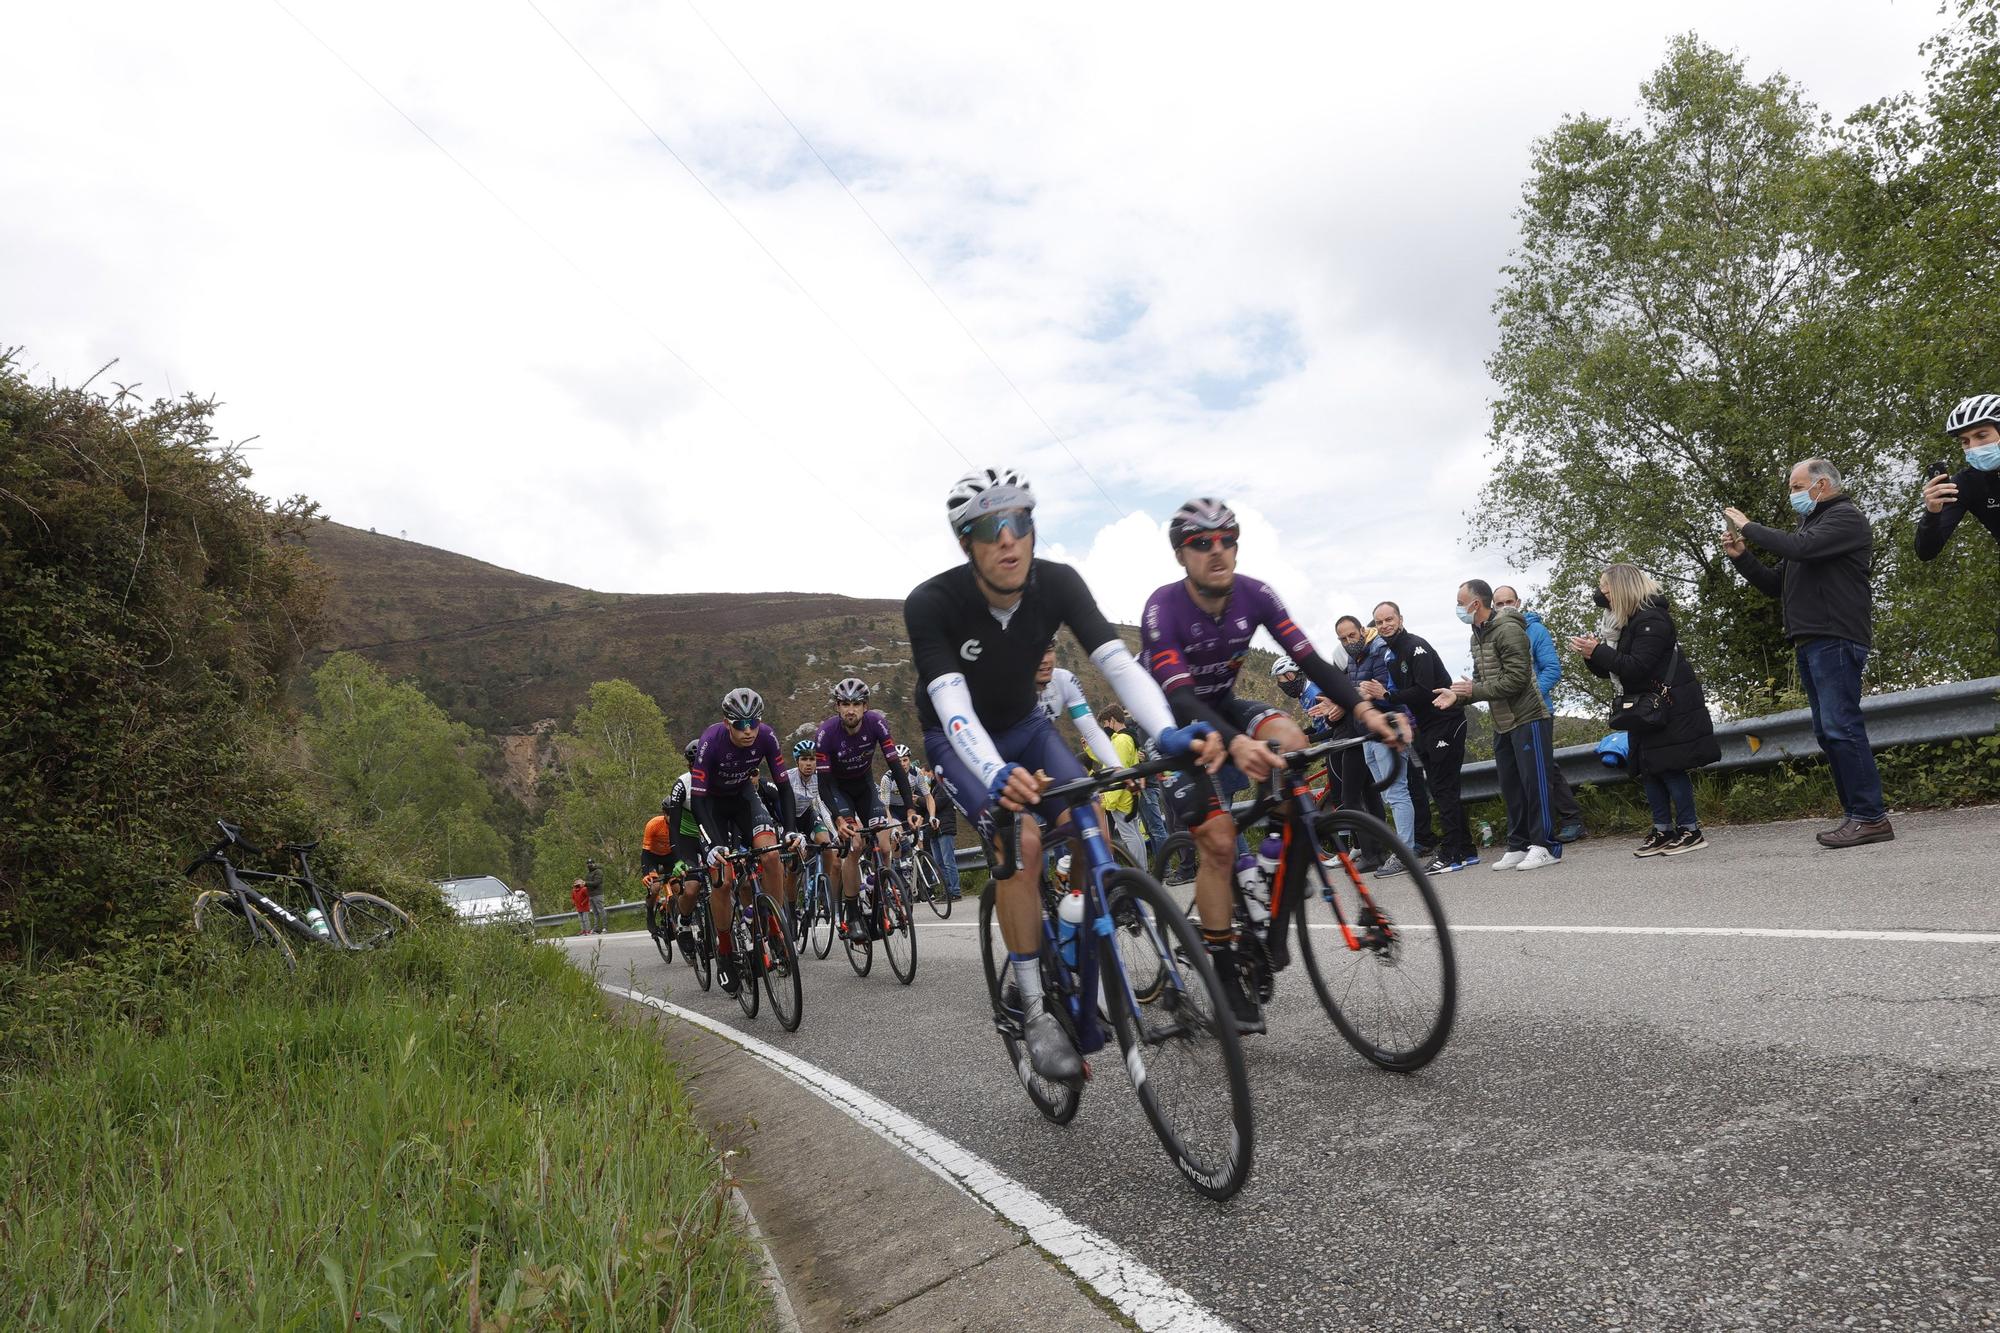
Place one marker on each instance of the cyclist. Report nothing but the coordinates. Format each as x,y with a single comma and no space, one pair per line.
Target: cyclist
684,871
976,633
723,790
814,821
1062,697
922,802
1197,630
847,743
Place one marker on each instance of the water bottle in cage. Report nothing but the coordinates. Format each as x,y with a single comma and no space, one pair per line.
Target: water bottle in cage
1069,920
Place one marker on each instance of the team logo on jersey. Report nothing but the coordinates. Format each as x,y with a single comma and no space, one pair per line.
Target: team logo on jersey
970,650
957,724
1242,623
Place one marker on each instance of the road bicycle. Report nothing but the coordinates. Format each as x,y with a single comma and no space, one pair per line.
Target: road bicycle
1377,948
920,866
885,906
1134,964
816,915
242,914
761,945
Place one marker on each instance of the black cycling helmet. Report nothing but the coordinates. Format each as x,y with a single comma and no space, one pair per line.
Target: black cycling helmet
1200,515
690,750
666,804
853,690
742,704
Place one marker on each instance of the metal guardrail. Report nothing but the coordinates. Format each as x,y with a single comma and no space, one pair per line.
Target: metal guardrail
1907,717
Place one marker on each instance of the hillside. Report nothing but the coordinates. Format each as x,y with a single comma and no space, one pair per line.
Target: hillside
506,651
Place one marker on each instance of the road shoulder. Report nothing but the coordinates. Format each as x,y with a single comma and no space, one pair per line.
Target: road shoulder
863,1236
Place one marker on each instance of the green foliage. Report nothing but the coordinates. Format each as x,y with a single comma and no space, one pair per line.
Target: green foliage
443,1132
402,771
151,608
617,764
1701,299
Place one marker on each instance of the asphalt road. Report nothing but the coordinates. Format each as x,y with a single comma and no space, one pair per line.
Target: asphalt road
1628,1130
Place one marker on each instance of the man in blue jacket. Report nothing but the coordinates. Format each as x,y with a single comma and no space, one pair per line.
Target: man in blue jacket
1548,670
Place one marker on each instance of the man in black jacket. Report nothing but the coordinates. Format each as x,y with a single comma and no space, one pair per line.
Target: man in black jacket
1822,586
1419,675
1949,497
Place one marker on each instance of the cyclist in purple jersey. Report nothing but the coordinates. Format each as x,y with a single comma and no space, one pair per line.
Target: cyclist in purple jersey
722,787
1197,631
977,633
847,744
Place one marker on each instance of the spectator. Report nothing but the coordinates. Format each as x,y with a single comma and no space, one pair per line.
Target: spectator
1121,803
1368,659
579,898
944,838
1822,586
1420,676
1151,812
1975,489
1644,656
1503,678
1548,670
593,883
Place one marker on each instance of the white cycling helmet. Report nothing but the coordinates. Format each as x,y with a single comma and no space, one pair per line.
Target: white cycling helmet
742,705
853,690
983,491
1284,666
1982,409
902,751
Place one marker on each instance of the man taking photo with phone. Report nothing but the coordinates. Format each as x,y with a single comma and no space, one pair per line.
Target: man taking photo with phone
1975,489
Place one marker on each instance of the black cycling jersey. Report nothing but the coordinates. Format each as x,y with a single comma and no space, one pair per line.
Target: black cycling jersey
953,629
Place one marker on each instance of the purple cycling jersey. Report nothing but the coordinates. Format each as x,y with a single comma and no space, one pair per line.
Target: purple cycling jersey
850,755
1187,648
724,768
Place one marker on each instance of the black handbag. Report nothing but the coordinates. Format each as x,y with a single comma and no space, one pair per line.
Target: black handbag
1647,710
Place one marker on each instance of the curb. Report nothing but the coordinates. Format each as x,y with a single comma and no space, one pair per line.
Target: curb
774,1281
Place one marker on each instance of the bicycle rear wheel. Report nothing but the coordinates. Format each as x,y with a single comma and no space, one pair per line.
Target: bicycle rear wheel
364,921
1181,1047
1377,948
899,928
744,959
1057,1101
1174,867
931,883
703,961
825,918
229,921
663,935
860,952
778,964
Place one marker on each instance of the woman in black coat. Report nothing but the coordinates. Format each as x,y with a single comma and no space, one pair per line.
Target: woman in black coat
1644,658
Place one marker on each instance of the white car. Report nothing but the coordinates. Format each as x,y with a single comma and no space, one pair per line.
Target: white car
483,900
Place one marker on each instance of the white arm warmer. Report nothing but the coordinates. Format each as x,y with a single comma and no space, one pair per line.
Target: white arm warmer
1134,686
953,702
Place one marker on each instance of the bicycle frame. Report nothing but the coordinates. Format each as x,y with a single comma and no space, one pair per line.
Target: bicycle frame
236,881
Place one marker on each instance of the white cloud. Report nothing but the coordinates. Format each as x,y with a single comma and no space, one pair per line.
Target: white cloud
1295,215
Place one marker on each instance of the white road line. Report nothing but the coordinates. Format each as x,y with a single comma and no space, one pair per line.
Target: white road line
1145,1297
1761,932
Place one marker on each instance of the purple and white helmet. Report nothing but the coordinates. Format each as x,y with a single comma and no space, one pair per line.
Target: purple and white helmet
1200,515
853,690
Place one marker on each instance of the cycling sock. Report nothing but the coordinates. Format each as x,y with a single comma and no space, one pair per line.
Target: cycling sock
1217,939
1027,975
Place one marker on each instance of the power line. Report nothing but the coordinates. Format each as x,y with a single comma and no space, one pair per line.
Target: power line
597,286
790,276
907,262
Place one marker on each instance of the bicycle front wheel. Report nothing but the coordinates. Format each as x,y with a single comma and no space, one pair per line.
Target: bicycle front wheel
778,962
744,959
703,961
662,936
899,928
232,923
364,921
825,917
931,883
1377,947
1181,1047
1057,1101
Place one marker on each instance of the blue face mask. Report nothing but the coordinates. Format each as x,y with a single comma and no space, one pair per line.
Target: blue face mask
1465,614
1986,457
1802,502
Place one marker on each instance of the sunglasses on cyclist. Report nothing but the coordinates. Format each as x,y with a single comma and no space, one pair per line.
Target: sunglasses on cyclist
988,527
743,723
1208,541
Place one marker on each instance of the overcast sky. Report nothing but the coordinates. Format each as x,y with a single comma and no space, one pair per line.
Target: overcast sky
1241,251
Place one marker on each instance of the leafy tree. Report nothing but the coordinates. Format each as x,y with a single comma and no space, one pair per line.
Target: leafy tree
616,765
403,771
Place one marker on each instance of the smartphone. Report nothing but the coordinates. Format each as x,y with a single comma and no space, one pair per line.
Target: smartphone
1730,523
1936,470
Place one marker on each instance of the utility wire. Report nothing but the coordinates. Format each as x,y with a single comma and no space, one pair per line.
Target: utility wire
790,276
597,286
907,262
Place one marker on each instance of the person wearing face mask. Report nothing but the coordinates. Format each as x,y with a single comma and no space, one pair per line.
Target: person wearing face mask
1368,660
1548,670
1822,586
1420,675
1975,489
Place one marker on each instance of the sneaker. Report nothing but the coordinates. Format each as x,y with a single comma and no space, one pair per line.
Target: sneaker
1683,840
1571,833
1440,866
1468,862
1249,1015
1538,856
1510,860
1393,866
1425,854
1367,862
1655,843
1050,1050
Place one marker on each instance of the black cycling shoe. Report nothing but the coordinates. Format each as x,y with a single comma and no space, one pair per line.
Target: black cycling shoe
1248,1013
1050,1050
725,972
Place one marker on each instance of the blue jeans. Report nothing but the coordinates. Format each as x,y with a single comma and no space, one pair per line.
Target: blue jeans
946,855
1830,670
1154,817
1395,798
1672,797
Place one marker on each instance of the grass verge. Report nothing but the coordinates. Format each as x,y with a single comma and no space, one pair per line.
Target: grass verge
445,1133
